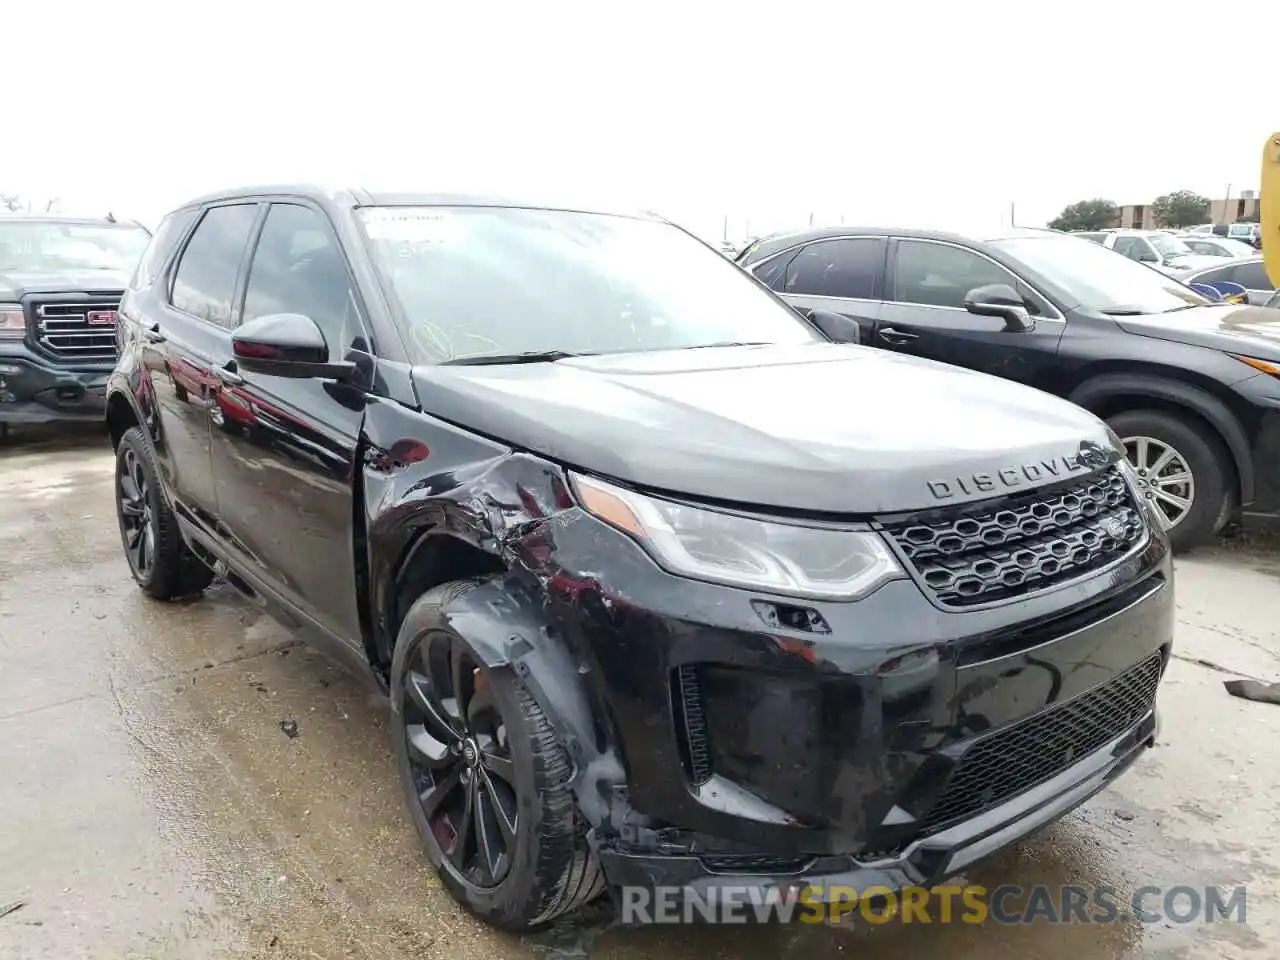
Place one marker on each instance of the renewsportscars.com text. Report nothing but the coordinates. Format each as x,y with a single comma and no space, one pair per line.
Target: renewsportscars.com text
1008,904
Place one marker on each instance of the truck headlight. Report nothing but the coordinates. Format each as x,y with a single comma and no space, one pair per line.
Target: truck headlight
13,326
792,559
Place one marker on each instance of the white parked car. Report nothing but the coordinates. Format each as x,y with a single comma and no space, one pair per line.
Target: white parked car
1163,251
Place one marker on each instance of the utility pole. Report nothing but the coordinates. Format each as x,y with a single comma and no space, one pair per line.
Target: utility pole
1012,205
725,235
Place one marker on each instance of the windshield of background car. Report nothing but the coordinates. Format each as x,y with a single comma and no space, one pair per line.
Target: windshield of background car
38,246
1168,246
1099,278
491,281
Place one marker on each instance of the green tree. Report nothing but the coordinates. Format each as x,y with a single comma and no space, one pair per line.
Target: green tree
1086,215
1182,208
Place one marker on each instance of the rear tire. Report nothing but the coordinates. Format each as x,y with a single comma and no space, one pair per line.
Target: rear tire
1178,447
161,563
449,749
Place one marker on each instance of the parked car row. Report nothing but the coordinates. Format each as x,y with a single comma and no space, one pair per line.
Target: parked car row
1191,387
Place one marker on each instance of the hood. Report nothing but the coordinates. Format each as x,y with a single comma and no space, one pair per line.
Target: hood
15,285
821,427
1254,331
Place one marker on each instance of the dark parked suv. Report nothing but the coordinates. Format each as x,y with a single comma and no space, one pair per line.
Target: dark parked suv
665,587
1191,387
60,282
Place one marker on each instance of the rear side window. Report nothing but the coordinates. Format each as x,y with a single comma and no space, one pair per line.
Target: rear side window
1215,275
171,230
773,273
940,275
836,268
1253,276
205,281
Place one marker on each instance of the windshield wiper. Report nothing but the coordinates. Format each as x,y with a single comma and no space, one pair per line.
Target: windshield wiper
1124,312
528,356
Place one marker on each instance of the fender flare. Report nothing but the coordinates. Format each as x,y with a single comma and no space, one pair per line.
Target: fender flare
1193,398
508,630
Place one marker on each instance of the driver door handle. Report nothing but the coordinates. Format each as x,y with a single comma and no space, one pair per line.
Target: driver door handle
890,335
227,374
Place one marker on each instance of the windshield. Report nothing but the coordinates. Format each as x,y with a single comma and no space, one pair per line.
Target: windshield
1099,278
48,245
494,281
1169,246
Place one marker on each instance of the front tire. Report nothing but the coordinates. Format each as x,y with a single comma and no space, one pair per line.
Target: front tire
1183,470
160,562
486,780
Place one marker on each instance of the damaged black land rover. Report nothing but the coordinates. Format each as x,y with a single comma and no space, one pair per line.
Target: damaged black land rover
665,587
60,282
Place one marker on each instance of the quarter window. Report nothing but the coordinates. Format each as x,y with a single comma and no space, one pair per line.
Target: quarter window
206,279
836,268
298,268
940,275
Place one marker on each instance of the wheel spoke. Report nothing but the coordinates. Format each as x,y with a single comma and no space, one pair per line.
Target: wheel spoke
1182,503
457,851
481,702
463,680
427,750
1162,461
500,767
506,822
1141,450
434,796
417,689
128,487
131,508
1175,479
490,850
144,549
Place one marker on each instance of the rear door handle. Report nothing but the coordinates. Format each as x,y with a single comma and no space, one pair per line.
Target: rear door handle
153,334
227,374
890,335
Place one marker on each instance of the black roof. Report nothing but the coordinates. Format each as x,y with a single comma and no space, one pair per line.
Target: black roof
781,241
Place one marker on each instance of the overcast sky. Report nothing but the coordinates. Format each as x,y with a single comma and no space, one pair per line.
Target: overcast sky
901,113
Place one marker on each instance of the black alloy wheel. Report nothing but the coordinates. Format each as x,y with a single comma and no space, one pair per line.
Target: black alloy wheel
461,759
137,521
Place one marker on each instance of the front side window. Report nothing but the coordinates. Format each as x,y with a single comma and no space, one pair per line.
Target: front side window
206,277
40,246
298,268
1215,275
476,282
168,234
940,275
1135,248
1168,246
1096,278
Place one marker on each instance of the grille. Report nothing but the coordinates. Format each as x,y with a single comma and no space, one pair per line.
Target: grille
1002,765
753,863
697,752
64,331
1022,543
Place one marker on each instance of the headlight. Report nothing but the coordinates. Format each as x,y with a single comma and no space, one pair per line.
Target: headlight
12,324
785,558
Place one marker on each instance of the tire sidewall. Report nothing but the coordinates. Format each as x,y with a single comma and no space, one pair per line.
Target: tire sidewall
132,442
508,900
1203,456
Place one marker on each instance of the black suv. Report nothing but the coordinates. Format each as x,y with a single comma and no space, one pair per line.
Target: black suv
665,587
61,279
1191,387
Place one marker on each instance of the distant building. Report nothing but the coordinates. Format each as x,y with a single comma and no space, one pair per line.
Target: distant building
1141,217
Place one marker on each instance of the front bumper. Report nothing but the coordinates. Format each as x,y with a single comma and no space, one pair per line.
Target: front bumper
923,863
764,737
34,390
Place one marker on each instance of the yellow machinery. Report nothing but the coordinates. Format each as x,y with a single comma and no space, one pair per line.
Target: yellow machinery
1269,207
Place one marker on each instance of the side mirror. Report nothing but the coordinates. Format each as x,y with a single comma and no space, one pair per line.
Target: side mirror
286,345
836,327
1000,300
1147,257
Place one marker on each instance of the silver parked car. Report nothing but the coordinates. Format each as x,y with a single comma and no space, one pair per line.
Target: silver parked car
1250,273
1211,246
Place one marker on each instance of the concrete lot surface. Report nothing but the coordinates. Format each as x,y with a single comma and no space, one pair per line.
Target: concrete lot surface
151,806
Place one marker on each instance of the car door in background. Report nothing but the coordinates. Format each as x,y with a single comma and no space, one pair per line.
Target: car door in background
284,448
185,331
924,313
842,274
